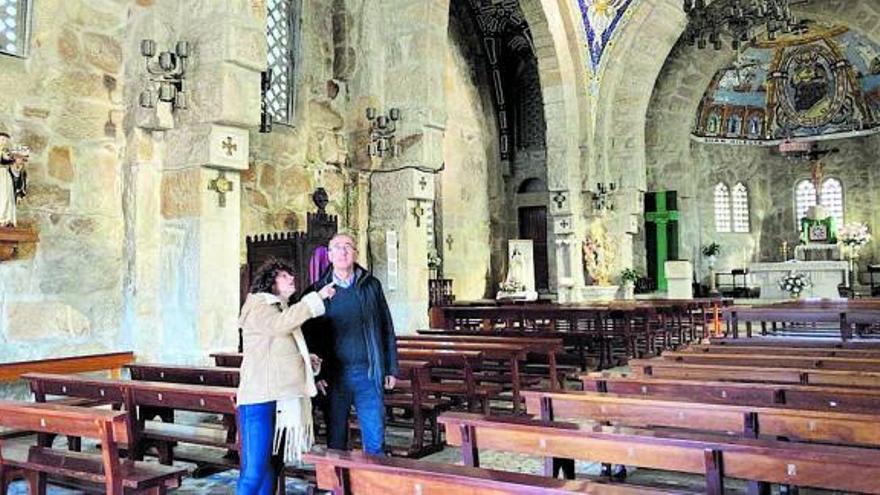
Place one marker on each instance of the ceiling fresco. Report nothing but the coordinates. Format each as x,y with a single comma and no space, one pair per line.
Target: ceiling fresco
821,83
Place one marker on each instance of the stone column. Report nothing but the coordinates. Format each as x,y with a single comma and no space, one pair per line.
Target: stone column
188,209
414,65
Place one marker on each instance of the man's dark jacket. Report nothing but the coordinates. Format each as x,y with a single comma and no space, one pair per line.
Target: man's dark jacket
378,327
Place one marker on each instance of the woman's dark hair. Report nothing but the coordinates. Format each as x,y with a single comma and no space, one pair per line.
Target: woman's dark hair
265,277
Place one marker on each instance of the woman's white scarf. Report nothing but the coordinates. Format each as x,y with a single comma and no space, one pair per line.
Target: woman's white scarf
294,431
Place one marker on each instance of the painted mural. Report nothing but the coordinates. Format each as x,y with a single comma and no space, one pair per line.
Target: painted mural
602,19
821,82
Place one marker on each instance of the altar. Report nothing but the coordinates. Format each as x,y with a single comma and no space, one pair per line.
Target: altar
824,275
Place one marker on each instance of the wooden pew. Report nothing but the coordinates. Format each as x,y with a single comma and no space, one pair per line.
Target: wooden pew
749,421
668,369
193,375
822,352
541,348
818,398
227,359
463,364
775,361
353,473
143,396
799,343
111,428
111,362
512,354
715,457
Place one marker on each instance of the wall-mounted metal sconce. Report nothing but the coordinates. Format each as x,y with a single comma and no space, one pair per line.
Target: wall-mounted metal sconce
602,196
382,129
449,241
166,80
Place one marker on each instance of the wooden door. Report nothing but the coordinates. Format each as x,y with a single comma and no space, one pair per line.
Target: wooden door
533,225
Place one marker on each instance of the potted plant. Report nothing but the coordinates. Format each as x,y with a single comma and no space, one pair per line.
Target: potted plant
710,251
628,278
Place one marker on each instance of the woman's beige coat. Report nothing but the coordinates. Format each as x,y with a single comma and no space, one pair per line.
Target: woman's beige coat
276,361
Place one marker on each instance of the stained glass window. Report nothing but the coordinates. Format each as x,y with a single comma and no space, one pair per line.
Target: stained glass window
722,208
804,198
832,199
282,34
740,198
14,25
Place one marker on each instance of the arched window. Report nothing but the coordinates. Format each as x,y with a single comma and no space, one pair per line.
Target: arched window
740,198
14,24
722,208
804,198
832,199
282,35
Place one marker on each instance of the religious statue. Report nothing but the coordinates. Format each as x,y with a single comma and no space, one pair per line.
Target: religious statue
13,179
599,253
520,280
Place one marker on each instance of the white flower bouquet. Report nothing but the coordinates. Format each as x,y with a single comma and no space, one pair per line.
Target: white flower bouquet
854,235
794,283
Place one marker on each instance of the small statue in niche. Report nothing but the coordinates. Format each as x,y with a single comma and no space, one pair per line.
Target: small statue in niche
13,179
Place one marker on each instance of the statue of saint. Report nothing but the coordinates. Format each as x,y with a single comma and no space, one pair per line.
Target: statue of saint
13,179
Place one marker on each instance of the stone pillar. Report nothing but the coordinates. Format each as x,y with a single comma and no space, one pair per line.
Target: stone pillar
414,67
186,198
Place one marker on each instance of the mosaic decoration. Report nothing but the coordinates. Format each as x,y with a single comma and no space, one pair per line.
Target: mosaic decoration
823,81
601,18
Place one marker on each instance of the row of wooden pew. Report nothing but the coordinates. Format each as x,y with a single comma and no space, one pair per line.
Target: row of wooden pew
612,332
849,317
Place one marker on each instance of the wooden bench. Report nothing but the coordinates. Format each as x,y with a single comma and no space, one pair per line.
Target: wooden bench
147,399
540,350
822,352
193,375
813,397
511,354
111,428
668,369
111,362
799,343
353,473
765,360
715,457
750,421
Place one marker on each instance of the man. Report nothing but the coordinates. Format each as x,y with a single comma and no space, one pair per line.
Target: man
355,339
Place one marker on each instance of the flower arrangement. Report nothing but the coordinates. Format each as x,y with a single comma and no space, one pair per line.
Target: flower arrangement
434,259
629,275
794,283
511,286
854,235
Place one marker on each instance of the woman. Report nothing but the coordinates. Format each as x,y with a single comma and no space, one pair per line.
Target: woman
277,375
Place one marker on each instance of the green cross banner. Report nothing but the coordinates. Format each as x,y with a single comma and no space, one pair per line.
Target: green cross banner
661,233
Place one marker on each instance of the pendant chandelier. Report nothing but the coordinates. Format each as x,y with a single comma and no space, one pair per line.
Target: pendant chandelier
709,21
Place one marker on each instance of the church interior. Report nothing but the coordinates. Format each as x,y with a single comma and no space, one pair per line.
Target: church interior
626,245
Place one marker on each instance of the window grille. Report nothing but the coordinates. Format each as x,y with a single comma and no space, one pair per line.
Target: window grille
740,208
722,208
805,197
832,199
282,35
14,24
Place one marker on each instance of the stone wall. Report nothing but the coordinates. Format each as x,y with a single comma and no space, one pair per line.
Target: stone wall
291,161
63,295
470,152
677,163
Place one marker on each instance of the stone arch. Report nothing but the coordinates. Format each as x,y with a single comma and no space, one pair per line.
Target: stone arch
531,185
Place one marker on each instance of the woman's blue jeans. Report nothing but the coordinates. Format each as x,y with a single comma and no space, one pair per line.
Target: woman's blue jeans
257,427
